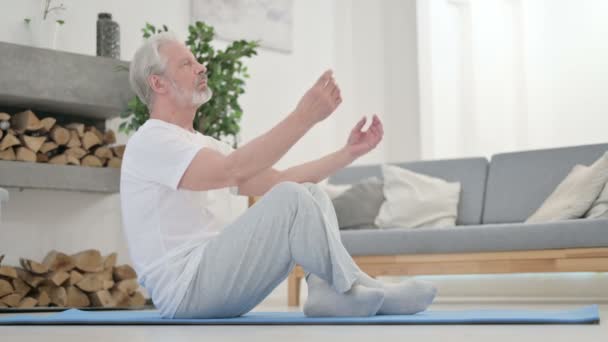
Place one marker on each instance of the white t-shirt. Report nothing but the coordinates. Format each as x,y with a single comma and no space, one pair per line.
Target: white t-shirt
166,227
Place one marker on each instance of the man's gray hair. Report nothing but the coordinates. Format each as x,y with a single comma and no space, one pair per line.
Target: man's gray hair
148,61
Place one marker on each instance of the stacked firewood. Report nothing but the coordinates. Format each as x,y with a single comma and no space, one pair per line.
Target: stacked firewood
85,279
25,137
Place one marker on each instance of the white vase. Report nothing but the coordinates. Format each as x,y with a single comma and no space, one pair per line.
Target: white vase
44,32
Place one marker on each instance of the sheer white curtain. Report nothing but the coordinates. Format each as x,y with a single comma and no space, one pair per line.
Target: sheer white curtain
503,75
472,77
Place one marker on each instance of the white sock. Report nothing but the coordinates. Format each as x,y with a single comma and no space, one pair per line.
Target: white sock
324,301
405,298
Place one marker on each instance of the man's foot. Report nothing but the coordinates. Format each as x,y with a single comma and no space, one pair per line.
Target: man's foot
324,301
405,298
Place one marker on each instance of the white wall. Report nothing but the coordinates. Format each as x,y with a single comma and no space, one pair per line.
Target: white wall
36,221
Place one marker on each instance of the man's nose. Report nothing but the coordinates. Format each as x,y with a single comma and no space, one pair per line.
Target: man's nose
201,69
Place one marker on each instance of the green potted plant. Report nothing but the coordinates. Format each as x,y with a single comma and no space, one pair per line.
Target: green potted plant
226,73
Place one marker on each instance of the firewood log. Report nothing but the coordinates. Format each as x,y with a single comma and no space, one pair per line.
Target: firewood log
88,261
121,299
12,300
48,123
75,277
27,302
58,277
89,140
33,143
9,140
76,127
90,160
25,154
103,152
21,287
128,286
102,298
60,159
8,154
137,299
109,261
5,288
74,140
8,272
43,299
115,162
42,158
58,261
97,133
48,146
109,137
76,298
25,121
71,160
91,282
124,272
58,296
119,150
33,266
60,135
77,152
29,278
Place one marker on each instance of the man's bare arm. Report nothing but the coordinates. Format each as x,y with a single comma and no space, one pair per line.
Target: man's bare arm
359,143
211,170
313,171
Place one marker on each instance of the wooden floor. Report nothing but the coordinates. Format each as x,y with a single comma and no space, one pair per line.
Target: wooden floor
411,333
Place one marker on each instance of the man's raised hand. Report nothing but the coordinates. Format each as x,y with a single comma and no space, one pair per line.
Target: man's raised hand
321,100
359,142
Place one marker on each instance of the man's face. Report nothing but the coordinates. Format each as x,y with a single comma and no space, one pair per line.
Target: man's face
186,75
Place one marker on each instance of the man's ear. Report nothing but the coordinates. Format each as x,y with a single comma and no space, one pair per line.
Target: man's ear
158,84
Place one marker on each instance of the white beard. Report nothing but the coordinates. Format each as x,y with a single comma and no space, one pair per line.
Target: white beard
197,99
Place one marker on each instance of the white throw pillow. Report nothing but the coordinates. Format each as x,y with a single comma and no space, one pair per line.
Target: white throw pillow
334,190
416,200
599,208
575,194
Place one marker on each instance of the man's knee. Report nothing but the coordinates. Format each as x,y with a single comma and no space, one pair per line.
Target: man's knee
291,192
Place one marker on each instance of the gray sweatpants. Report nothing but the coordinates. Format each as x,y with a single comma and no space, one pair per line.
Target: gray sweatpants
292,223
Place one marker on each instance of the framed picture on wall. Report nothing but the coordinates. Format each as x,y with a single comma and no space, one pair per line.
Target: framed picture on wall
269,21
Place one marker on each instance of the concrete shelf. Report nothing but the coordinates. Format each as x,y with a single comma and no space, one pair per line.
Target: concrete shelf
15,174
62,82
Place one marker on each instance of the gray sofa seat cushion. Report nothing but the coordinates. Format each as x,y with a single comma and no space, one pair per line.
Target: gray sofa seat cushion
519,182
478,238
470,172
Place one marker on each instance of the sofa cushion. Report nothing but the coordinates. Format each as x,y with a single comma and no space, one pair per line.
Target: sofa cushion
415,200
519,182
470,172
478,238
575,194
599,209
359,205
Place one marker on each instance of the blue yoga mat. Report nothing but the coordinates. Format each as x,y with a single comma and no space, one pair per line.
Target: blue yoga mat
584,315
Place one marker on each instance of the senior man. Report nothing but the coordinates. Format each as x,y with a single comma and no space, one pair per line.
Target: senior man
191,260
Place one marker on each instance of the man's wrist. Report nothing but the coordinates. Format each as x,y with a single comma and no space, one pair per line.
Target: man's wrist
303,119
349,155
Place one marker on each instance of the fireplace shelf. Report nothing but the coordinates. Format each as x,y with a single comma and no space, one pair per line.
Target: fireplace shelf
62,82
16,174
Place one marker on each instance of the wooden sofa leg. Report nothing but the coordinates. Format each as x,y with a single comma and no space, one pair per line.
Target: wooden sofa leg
293,289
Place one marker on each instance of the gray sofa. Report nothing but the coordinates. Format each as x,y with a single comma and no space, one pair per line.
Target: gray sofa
489,236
